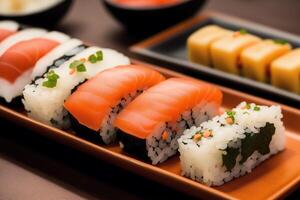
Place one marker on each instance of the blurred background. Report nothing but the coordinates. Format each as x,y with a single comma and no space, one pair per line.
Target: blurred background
33,167
90,21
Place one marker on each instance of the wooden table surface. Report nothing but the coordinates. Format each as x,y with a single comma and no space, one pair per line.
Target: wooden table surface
33,167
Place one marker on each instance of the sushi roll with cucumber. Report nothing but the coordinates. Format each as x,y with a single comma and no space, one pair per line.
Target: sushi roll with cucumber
95,104
18,61
151,124
231,145
8,28
44,98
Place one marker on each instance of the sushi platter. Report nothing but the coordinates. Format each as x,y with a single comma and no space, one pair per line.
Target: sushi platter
237,53
201,138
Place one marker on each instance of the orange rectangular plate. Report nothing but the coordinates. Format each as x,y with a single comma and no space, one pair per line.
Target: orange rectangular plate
274,178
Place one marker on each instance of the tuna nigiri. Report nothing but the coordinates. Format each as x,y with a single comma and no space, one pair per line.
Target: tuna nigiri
151,124
17,62
96,103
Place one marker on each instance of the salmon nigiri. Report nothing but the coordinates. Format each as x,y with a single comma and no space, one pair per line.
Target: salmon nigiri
96,103
7,28
152,123
17,62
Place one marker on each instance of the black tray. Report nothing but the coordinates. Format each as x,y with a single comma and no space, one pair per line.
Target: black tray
169,47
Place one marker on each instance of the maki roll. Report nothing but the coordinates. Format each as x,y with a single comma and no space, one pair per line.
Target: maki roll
151,124
256,60
231,145
95,104
18,61
44,98
7,28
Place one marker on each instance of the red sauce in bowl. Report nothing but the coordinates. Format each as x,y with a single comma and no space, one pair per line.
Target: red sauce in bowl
146,3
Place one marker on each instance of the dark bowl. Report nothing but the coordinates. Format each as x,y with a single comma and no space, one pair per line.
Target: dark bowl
44,18
153,19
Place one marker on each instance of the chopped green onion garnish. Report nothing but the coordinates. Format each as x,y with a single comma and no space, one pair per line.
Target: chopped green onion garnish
230,113
98,56
248,106
256,108
52,79
243,31
93,58
78,65
280,41
81,68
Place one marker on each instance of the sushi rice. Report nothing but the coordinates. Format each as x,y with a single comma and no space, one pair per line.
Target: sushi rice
213,150
160,150
152,132
47,61
46,104
223,151
9,25
9,90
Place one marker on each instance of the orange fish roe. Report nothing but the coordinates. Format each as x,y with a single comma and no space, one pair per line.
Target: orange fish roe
165,135
207,133
197,136
72,71
229,120
236,34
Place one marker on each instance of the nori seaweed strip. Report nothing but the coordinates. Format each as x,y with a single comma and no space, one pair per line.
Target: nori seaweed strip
133,145
253,142
94,135
85,132
61,59
15,102
21,27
